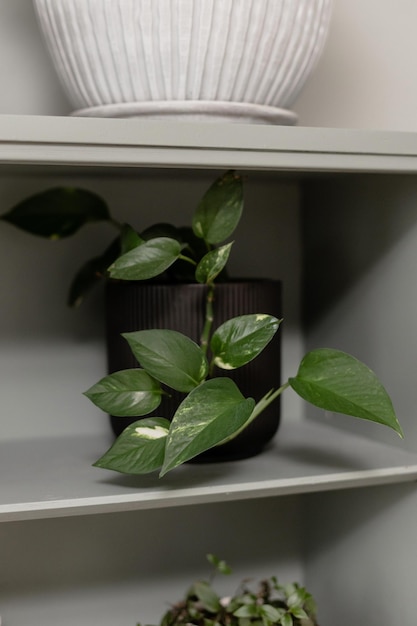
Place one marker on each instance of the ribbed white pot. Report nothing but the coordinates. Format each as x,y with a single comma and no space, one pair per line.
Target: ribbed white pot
228,59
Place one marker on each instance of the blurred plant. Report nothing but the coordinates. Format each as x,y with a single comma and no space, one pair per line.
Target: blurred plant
269,604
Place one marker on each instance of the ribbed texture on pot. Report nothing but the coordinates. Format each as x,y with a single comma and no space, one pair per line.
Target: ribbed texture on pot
125,51
134,306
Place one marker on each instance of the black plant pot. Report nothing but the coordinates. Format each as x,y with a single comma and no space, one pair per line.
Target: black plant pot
134,306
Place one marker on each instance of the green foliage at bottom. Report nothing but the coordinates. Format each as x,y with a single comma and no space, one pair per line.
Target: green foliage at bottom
266,604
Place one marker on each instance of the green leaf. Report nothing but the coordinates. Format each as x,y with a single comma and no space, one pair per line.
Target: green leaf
241,339
212,264
139,449
220,209
286,620
247,610
92,273
295,594
207,596
309,604
181,270
272,614
57,212
219,564
211,413
170,357
129,239
128,393
298,612
336,381
147,260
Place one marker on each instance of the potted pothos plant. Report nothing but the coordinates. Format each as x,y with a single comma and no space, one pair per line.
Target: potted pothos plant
214,410
268,603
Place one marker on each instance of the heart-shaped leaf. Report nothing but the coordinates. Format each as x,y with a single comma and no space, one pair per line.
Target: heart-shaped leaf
57,212
211,413
336,381
212,264
272,614
147,260
170,357
128,393
139,449
220,209
181,270
207,596
241,339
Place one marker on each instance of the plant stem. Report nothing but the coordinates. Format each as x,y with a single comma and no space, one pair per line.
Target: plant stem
187,258
208,321
268,398
260,406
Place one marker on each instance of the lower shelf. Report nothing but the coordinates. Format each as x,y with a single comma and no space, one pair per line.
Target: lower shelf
54,477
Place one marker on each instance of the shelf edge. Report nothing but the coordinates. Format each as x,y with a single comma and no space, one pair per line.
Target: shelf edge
206,495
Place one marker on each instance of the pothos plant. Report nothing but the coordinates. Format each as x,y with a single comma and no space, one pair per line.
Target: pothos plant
214,410
268,604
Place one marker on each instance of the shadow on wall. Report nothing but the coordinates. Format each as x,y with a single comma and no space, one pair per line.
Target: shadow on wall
349,228
348,533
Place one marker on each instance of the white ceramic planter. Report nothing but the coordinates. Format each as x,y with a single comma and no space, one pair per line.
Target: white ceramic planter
227,59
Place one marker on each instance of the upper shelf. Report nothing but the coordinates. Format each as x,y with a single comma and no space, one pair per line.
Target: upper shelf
54,477
63,141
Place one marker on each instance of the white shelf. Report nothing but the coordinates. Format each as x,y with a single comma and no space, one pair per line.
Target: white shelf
54,477
64,141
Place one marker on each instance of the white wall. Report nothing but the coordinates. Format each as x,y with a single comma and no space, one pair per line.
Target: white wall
366,77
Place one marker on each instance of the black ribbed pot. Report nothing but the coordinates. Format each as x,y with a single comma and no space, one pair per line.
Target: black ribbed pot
134,306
